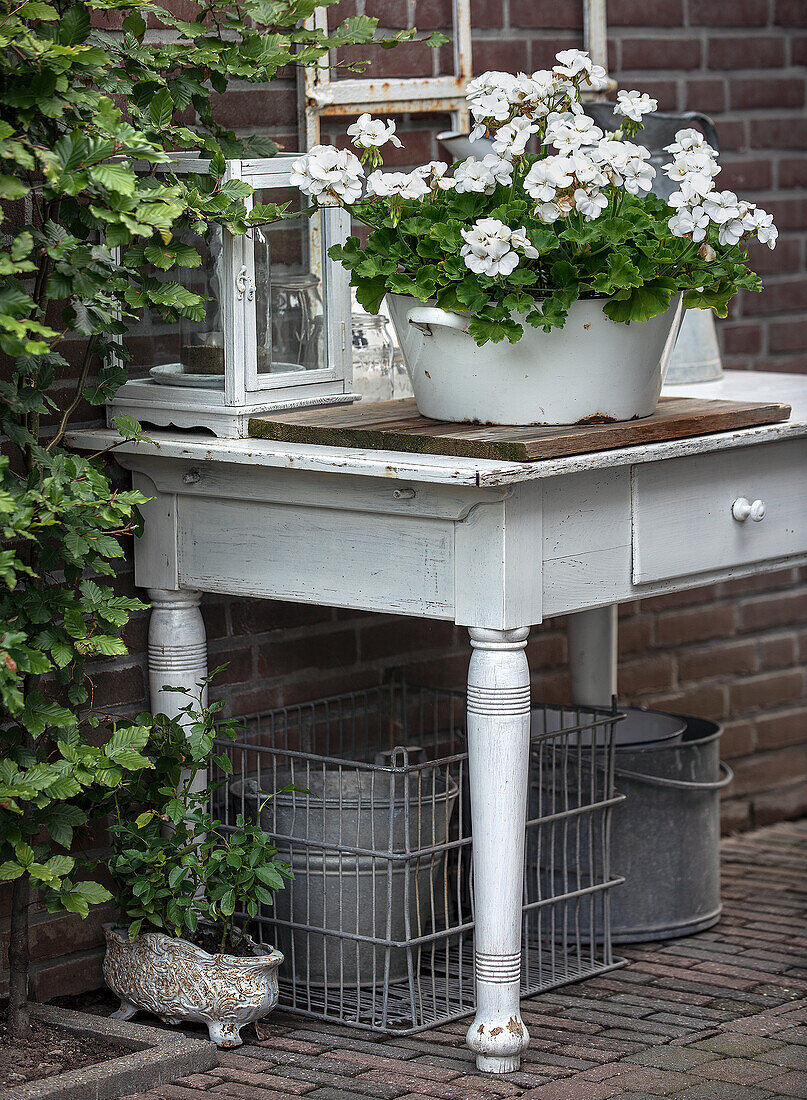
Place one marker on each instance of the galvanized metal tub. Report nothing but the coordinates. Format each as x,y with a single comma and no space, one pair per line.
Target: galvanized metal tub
665,835
360,890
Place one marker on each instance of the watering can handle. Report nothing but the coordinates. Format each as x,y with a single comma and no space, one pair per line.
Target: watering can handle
679,784
423,317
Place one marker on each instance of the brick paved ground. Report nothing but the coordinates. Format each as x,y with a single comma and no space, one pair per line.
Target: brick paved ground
718,1016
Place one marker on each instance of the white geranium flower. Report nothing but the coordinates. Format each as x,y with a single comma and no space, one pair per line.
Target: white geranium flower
570,132
572,63
433,172
546,176
487,249
686,140
407,185
586,170
687,223
472,175
367,133
731,232
488,96
637,175
330,176
634,104
511,139
589,204
595,80
761,222
520,241
692,162
722,207
548,211
501,170
691,191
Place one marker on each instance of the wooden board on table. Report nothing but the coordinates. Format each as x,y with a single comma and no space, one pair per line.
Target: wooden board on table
398,426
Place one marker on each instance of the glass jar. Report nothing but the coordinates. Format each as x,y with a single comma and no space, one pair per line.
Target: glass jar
372,357
297,323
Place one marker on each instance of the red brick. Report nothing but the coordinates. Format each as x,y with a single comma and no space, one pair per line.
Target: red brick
661,53
261,616
782,260
768,92
788,213
706,95
737,739
433,14
635,634
770,611
741,338
117,687
785,728
543,50
798,49
404,636
758,51
784,364
777,652
72,974
259,106
789,13
717,660
544,14
700,701
638,13
389,13
784,296
689,597
238,662
746,175
774,689
735,815
508,54
792,172
697,624
738,13
287,657
765,770
654,673
775,133
788,801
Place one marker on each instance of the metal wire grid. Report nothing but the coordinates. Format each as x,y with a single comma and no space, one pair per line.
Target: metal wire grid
377,924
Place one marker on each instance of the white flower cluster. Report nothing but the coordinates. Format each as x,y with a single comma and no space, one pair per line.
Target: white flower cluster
331,177
492,248
584,172
698,205
586,162
513,105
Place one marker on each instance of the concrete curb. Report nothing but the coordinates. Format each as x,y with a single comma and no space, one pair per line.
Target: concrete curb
158,1057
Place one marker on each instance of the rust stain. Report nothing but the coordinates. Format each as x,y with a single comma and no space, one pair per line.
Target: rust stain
596,418
427,374
481,1029
587,326
515,1026
497,1030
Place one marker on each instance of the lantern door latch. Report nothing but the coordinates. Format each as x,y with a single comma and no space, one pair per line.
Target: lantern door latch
244,285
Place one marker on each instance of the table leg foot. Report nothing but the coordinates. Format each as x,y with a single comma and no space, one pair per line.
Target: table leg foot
498,753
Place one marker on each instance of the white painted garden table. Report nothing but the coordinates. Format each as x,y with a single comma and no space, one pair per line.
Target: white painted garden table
493,546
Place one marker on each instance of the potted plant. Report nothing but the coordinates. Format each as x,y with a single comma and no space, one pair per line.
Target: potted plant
181,878
564,254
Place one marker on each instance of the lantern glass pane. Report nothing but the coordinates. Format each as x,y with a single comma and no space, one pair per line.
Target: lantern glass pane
187,353
288,292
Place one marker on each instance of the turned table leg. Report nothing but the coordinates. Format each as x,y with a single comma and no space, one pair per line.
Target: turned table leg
498,751
592,637
177,653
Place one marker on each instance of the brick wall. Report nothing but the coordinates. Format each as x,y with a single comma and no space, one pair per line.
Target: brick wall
735,652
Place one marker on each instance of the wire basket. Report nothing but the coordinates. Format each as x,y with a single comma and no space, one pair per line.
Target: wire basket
373,814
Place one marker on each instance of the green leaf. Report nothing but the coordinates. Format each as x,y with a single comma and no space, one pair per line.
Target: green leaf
641,303
161,109
114,177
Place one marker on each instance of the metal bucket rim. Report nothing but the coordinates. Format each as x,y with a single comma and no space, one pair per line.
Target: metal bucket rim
665,746
291,798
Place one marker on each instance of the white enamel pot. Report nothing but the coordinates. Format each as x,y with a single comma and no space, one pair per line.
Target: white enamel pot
591,368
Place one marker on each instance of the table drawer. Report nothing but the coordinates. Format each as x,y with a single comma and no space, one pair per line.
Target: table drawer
703,513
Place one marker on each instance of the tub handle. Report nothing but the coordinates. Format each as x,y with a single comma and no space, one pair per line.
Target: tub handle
679,784
423,317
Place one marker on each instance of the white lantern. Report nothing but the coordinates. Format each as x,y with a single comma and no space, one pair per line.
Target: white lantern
276,331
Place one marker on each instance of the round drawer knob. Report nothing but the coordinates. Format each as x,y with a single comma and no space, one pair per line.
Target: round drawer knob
743,509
